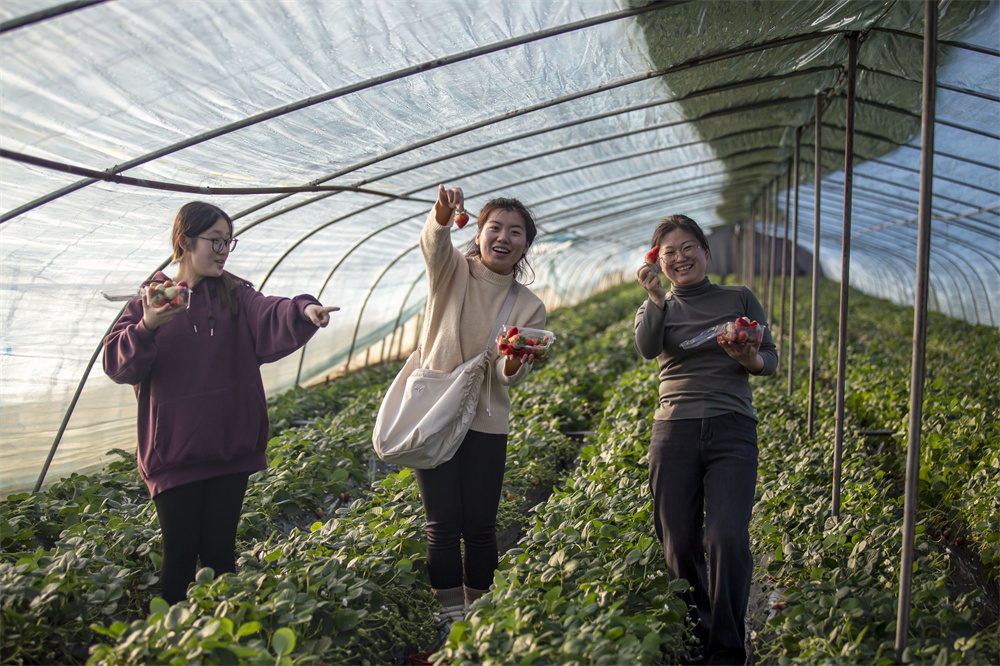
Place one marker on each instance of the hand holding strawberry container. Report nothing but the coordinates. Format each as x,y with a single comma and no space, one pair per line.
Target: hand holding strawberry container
525,342
161,293
741,330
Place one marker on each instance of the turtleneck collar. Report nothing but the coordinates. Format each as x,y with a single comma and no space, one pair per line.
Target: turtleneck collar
481,272
692,290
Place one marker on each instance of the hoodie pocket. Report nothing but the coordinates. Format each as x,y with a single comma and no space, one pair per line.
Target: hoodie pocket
207,428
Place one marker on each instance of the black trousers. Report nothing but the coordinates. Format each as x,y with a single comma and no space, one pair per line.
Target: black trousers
461,498
703,473
199,520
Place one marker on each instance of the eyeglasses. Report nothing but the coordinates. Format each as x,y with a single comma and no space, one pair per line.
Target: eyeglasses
685,251
219,243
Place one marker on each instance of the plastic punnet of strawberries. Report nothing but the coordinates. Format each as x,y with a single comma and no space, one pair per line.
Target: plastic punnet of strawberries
740,330
525,342
160,293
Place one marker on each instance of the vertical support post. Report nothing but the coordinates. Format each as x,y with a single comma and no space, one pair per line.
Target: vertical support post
771,259
919,324
845,267
782,322
737,250
752,249
765,218
814,326
795,249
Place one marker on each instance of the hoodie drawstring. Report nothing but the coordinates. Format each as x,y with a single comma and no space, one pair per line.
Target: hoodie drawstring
211,314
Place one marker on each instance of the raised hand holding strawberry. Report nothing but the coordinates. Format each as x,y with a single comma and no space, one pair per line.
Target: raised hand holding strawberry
449,200
652,259
649,277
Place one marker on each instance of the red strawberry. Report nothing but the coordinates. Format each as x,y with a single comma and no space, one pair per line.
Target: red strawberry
461,218
182,283
652,256
168,283
177,301
512,332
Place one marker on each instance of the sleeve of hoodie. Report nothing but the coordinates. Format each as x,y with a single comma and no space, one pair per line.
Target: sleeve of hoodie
649,330
130,347
279,325
535,320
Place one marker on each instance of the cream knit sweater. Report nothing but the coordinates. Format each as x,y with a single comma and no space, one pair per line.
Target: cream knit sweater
463,302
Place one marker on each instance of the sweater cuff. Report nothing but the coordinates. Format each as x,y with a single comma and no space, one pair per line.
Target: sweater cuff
302,301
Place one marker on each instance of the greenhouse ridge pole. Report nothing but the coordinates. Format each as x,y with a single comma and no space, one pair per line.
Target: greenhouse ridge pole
919,326
814,326
845,267
796,154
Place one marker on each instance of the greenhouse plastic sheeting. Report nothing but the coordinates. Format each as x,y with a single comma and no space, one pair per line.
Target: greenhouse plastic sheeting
603,116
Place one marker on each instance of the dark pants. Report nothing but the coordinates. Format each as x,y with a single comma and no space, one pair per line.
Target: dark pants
461,498
199,520
702,473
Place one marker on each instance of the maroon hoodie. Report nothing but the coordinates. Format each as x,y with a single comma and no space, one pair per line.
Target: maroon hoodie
202,409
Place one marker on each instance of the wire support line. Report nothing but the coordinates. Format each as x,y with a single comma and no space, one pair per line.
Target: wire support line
940,218
112,177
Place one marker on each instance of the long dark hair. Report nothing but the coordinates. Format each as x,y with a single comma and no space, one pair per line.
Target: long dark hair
530,231
193,219
674,222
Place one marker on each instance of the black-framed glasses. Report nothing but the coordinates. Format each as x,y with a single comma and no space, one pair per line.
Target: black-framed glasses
219,243
685,251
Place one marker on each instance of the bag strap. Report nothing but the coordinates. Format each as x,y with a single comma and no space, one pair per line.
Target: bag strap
508,305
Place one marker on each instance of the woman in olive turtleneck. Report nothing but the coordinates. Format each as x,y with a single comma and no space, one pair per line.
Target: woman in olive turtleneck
703,450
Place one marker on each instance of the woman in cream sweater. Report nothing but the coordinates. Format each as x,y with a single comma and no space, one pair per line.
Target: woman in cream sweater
465,295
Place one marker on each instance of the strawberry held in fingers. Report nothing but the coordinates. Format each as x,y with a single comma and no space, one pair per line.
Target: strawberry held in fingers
461,218
652,259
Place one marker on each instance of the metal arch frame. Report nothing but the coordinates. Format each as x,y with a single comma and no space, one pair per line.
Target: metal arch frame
875,160
361,312
402,307
879,249
345,90
46,14
684,66
407,194
956,265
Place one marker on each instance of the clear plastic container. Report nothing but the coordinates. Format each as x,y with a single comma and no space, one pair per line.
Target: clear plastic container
521,341
740,330
178,295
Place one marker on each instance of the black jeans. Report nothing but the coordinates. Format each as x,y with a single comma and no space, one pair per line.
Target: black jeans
461,498
702,473
199,519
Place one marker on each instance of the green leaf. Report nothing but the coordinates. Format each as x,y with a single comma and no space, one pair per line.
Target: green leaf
283,641
248,629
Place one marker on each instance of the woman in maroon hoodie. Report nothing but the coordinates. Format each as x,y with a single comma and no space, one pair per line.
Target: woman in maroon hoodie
202,417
